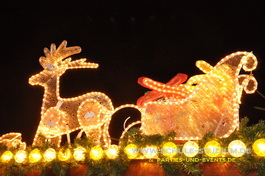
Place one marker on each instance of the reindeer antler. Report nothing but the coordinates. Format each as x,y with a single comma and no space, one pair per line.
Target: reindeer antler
54,55
81,63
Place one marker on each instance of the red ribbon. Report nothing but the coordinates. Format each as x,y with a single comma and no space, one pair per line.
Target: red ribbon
155,94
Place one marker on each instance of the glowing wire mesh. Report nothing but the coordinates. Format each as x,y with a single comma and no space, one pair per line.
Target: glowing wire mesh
64,115
208,102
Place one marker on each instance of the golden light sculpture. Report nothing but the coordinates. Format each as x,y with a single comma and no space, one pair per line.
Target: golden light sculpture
49,155
21,156
90,112
13,140
192,107
7,156
150,152
59,116
131,151
190,149
169,149
259,147
112,151
80,153
96,153
207,102
64,154
35,156
212,149
237,148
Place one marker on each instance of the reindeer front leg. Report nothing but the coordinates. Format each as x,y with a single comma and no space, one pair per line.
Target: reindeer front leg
40,139
56,141
52,126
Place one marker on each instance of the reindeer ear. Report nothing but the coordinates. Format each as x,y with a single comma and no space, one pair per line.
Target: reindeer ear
42,61
45,64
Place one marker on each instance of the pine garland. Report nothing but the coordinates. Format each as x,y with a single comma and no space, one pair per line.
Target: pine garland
105,166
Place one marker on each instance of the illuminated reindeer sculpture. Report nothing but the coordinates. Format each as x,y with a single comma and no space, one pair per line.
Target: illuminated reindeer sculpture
59,116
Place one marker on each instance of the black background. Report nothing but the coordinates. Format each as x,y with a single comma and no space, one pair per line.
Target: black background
128,39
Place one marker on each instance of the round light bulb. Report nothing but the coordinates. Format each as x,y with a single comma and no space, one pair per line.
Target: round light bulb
7,156
20,156
212,149
64,154
112,151
237,148
169,149
131,150
49,155
79,153
96,152
259,147
150,152
35,156
190,149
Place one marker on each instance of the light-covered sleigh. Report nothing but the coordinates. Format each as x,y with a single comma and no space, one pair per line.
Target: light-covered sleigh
205,103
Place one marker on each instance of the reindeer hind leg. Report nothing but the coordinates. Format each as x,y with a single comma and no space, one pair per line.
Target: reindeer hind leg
91,118
56,141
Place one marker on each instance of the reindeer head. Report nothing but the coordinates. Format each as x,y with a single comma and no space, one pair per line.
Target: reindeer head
55,63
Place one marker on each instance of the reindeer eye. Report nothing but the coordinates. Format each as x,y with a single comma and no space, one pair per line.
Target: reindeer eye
49,66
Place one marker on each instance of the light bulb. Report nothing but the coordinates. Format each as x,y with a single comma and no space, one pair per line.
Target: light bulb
259,147
96,152
79,153
131,150
150,152
20,156
35,156
169,149
64,154
7,156
237,148
212,148
49,155
112,151
190,149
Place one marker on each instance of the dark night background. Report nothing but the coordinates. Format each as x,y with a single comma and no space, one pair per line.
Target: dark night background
128,40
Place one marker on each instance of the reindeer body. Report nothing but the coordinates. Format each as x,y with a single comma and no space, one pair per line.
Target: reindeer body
59,115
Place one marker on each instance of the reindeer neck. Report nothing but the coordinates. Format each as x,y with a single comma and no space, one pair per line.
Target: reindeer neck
51,94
